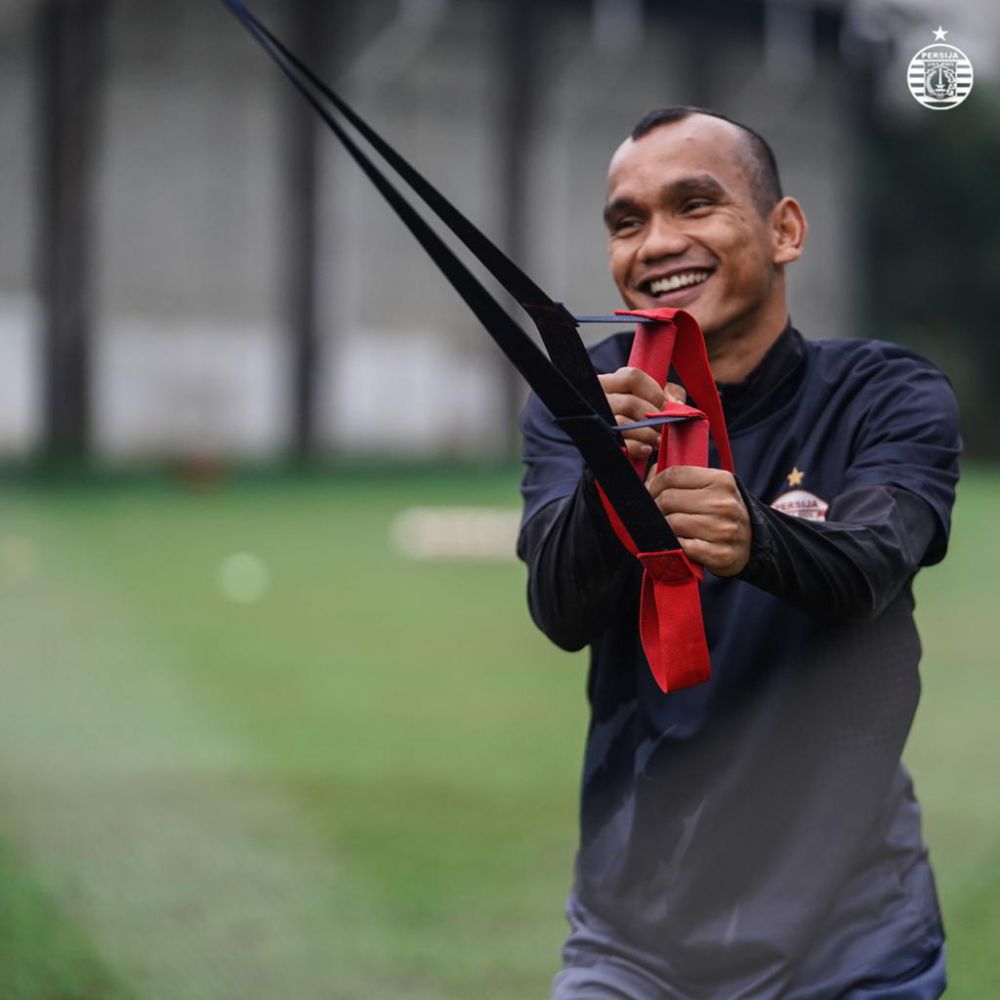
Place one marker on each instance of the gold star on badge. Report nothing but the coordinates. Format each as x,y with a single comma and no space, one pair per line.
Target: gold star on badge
939,34
795,477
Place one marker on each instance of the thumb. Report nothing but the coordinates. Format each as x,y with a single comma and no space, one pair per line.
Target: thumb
674,392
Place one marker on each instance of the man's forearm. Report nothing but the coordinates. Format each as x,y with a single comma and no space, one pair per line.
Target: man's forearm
577,568
850,567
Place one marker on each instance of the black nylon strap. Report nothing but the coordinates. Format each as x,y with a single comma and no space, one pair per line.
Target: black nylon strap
554,322
653,422
586,425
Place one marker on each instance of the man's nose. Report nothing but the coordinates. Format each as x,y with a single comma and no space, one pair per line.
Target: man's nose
663,238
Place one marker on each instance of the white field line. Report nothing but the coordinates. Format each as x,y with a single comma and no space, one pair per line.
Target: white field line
467,533
153,827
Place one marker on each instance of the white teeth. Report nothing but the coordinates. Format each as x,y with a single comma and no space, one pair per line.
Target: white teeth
676,281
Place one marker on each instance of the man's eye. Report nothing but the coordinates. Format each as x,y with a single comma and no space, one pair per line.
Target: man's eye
625,223
696,204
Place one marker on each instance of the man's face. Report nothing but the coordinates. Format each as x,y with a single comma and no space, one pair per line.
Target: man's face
684,230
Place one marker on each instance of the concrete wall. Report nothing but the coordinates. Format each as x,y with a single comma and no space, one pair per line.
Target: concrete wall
20,383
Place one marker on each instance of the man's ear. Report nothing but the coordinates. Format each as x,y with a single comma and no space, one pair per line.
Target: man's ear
788,228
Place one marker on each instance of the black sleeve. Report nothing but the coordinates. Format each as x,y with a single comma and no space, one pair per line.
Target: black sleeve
891,517
577,568
893,513
850,566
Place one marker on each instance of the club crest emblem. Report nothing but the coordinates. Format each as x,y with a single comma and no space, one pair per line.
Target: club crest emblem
798,502
940,75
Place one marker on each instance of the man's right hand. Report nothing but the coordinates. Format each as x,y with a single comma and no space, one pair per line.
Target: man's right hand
632,394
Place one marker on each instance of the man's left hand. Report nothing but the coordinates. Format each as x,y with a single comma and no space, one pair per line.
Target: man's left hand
706,512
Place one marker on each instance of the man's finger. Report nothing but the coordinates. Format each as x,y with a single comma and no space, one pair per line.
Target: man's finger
691,477
717,504
699,551
706,527
633,382
630,407
722,560
638,449
647,435
675,392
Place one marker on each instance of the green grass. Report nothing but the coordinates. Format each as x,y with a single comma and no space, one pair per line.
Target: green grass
42,953
954,750
363,785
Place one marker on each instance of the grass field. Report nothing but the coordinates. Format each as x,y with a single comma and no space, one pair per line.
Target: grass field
362,785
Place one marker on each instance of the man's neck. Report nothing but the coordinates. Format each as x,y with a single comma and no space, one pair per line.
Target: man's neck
733,356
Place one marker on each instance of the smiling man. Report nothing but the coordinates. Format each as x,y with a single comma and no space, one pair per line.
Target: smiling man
756,836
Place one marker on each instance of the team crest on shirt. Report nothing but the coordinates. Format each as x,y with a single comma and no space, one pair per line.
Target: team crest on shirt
799,502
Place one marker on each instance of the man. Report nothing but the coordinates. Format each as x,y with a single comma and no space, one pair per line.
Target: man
755,836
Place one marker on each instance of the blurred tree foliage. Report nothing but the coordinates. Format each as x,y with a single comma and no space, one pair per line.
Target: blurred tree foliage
932,239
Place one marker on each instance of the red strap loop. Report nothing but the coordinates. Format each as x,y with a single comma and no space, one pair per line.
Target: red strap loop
670,625
670,622
675,337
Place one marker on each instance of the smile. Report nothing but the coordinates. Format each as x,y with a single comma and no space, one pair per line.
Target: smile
683,279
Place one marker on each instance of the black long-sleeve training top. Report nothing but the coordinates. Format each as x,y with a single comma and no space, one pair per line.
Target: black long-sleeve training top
758,833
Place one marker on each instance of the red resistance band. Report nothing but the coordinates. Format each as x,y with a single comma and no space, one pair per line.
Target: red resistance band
670,622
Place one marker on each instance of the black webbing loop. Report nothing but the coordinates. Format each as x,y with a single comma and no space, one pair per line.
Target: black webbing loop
564,393
554,322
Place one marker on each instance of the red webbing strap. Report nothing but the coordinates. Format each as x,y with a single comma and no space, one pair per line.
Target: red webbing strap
652,354
670,622
654,349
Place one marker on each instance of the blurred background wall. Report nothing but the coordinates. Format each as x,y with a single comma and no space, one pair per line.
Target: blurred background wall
249,744
190,268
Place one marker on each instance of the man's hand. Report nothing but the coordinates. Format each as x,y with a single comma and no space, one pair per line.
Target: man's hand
706,512
631,395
